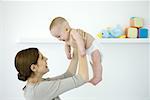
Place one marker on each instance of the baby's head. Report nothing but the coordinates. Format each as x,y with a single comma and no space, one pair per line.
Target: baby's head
60,28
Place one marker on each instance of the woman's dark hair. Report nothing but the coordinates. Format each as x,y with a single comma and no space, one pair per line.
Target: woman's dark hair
23,60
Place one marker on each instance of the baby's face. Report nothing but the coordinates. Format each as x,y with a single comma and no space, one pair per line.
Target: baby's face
60,33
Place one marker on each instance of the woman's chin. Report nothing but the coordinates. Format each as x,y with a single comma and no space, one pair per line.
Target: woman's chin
47,70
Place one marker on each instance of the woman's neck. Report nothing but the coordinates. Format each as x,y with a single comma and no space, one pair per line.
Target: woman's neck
35,79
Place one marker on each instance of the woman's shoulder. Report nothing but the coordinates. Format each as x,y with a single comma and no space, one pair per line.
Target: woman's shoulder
30,84
42,85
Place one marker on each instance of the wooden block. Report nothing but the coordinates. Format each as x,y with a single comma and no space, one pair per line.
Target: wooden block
136,22
132,32
143,33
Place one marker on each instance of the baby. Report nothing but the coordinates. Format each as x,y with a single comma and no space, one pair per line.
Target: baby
77,38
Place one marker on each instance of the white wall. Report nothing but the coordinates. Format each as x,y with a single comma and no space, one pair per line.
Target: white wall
0,42
149,47
149,10
34,17
0,26
125,77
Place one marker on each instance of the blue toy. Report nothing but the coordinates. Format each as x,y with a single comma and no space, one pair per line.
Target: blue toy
105,34
143,33
113,32
116,31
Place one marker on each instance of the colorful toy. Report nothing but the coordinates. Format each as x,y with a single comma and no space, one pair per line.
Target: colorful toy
148,27
106,34
135,30
136,22
116,31
132,32
99,35
122,36
143,33
111,32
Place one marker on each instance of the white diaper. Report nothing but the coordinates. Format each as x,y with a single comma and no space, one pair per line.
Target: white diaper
95,46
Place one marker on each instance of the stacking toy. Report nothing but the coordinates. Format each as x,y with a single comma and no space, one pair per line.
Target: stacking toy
132,32
136,22
143,33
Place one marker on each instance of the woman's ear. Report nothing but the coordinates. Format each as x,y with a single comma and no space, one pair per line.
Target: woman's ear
33,67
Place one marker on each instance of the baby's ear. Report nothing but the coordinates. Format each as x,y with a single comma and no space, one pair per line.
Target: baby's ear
67,30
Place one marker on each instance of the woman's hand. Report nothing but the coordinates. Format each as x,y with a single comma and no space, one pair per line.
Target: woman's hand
73,64
68,51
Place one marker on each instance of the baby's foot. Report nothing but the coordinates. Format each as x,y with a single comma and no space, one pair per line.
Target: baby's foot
95,80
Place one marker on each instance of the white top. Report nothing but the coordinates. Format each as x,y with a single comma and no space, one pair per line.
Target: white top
51,88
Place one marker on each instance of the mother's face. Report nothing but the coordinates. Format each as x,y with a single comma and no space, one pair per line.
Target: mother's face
42,67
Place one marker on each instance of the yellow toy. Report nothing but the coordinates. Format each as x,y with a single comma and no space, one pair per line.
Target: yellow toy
123,36
99,35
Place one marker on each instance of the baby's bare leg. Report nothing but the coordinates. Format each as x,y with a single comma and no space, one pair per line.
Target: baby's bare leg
97,67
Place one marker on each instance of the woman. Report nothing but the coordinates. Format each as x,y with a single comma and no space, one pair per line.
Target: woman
32,65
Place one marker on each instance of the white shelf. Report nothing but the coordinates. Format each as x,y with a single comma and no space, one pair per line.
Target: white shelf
103,40
125,40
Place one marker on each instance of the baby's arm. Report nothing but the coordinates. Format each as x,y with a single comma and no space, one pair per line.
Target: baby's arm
68,51
80,43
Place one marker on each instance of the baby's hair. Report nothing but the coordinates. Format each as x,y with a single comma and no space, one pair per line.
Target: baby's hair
56,21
